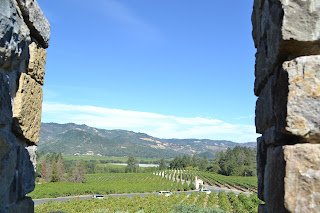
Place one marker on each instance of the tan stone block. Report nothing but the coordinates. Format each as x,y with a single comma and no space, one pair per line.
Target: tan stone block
292,177
298,98
37,62
302,180
27,109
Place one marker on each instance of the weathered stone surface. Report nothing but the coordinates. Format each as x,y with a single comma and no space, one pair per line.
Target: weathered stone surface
5,101
262,208
272,136
27,109
261,163
292,177
25,205
14,35
33,154
8,165
26,172
297,107
302,179
283,29
38,24
37,62
264,107
274,174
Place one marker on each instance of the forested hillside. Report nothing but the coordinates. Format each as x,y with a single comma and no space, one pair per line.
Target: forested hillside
84,140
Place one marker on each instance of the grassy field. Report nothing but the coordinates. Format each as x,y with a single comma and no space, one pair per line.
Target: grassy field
159,204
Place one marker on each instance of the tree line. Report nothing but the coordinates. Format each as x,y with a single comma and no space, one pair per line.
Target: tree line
239,161
52,168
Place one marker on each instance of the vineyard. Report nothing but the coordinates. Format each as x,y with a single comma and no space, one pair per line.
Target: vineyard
115,183
152,203
231,182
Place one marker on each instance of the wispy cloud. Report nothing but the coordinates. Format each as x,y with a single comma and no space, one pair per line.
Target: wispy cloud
129,19
162,126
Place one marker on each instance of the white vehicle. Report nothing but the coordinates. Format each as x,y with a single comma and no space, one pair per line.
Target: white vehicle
165,193
207,191
98,196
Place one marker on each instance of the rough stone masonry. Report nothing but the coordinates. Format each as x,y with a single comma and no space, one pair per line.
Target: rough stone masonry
24,35
286,34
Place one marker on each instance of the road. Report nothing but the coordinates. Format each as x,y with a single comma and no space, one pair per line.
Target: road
83,197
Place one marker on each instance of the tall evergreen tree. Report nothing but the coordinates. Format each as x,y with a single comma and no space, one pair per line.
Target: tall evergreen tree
132,164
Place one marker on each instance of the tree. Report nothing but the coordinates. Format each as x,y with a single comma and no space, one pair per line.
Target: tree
60,168
54,175
162,165
77,173
44,172
132,164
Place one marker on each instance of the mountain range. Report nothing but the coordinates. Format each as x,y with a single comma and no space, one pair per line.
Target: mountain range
77,139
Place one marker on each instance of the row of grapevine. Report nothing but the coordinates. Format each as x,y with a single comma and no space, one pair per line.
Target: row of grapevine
152,203
108,183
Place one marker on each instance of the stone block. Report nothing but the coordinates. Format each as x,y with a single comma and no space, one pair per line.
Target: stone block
292,177
27,109
302,179
283,29
26,172
262,208
261,163
8,166
5,101
38,24
14,35
274,174
24,205
272,136
298,98
37,62
264,107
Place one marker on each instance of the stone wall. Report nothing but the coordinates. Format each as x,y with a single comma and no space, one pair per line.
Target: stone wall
286,34
24,35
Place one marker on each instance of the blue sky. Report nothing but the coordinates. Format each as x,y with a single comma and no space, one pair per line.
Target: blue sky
172,69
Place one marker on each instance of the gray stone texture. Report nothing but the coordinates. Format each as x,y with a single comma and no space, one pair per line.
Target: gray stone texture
8,166
261,163
274,174
14,35
282,30
38,24
27,109
297,107
5,101
25,205
21,76
17,175
264,107
37,62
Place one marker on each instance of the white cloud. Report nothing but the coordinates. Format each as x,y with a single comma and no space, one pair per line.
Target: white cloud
157,125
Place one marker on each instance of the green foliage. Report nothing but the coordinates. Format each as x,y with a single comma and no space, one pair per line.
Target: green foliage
192,186
240,161
185,186
224,202
106,184
182,208
132,164
162,165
